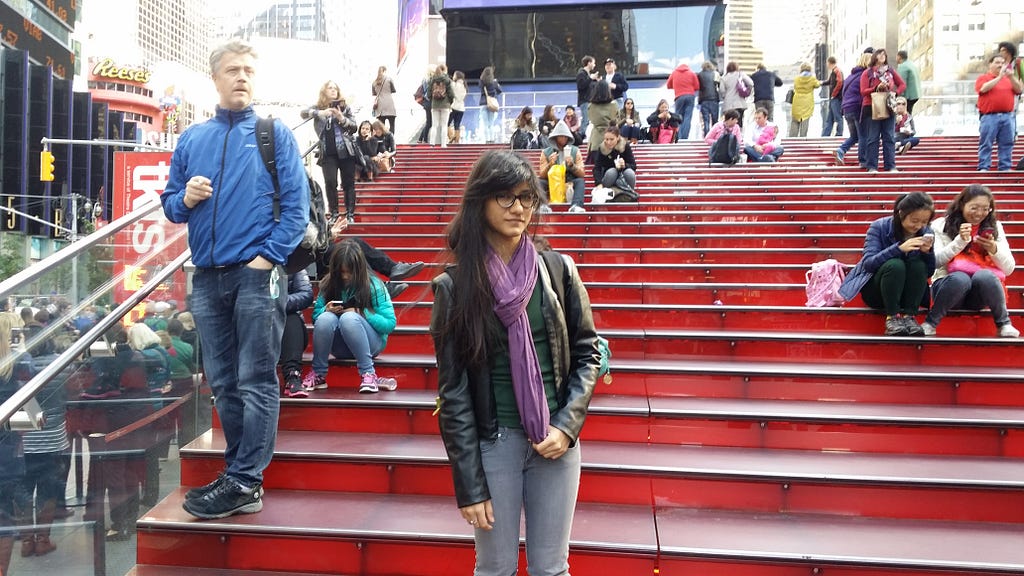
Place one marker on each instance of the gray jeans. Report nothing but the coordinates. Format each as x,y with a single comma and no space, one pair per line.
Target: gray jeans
515,470
960,291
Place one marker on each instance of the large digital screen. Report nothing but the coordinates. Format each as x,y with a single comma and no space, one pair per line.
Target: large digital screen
541,4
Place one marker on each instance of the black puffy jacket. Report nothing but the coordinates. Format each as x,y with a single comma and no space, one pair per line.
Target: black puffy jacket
466,400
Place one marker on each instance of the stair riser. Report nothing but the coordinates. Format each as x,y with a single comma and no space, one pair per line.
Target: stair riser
765,387
676,566
935,440
356,556
606,487
909,352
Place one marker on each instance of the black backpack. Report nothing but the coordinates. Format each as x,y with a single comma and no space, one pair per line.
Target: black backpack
317,239
521,140
725,150
438,91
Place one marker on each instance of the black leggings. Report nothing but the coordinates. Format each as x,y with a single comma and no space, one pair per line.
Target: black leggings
348,181
390,121
293,343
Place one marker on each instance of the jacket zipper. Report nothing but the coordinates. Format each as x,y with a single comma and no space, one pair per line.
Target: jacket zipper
216,196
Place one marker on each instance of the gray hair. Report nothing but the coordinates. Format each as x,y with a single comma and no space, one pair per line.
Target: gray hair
234,46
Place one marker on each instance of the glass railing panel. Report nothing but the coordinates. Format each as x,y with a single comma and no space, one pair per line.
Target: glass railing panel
116,400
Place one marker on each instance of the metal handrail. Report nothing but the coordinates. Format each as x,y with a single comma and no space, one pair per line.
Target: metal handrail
74,249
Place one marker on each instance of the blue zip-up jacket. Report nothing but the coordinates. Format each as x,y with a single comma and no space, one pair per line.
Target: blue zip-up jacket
880,246
236,223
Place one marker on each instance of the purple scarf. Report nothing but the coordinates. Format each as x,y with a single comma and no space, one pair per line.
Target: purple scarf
512,287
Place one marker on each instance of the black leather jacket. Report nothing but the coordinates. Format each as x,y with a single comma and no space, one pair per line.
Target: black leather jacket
466,400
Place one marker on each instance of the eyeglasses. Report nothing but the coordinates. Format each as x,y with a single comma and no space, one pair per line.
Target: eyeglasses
977,209
527,201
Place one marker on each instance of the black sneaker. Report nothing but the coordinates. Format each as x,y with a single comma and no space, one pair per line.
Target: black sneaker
403,270
226,499
293,385
894,326
396,288
913,328
201,491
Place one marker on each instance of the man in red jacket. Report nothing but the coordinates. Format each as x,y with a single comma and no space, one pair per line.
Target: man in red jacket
685,84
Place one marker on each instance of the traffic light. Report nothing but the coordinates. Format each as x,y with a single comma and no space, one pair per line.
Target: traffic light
46,166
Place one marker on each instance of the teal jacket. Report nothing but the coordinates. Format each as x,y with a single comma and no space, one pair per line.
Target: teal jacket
382,317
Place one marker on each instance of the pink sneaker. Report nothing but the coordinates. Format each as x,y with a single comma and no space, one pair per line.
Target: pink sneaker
368,383
312,381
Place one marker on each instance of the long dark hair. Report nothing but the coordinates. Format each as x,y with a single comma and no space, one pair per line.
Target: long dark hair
906,204
472,317
602,92
348,256
955,212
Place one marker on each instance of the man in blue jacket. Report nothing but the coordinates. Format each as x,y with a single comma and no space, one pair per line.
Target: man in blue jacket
240,237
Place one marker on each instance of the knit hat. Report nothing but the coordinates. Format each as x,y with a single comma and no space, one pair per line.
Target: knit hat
869,50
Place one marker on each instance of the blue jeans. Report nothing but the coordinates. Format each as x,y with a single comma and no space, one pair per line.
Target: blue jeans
772,156
1001,128
612,174
240,320
684,107
584,118
833,116
346,336
518,478
853,123
960,291
488,121
630,132
709,114
884,130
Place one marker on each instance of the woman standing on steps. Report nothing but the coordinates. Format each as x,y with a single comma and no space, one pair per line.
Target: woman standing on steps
897,261
335,124
517,359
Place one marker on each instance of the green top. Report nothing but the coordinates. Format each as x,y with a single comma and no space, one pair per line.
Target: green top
501,372
908,71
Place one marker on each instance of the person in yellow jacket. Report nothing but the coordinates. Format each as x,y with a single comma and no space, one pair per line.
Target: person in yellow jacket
803,101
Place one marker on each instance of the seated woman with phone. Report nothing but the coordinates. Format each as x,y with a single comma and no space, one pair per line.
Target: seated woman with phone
352,317
896,263
972,260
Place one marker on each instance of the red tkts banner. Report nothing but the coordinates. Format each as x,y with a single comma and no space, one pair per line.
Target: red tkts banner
143,248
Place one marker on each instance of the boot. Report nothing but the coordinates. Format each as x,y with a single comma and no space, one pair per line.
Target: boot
6,547
28,545
44,546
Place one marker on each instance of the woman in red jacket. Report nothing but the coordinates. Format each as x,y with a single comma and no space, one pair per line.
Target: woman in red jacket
880,77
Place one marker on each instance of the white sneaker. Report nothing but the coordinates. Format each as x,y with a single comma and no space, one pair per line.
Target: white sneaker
1008,331
544,209
576,209
929,330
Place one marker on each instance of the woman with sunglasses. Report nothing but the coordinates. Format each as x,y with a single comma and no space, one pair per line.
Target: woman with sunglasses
517,360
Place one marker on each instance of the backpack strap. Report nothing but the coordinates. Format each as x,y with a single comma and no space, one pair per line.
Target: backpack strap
265,142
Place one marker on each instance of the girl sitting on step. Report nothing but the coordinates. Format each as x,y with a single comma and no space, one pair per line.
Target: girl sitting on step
972,260
352,317
897,261
517,358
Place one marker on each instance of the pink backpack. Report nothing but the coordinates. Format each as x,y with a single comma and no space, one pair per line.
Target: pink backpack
823,282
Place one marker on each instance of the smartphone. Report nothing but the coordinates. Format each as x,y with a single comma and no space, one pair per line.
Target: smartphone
929,239
341,303
986,232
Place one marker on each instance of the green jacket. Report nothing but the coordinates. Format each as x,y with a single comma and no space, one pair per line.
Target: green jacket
908,71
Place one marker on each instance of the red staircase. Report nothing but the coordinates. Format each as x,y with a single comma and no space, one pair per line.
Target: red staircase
743,433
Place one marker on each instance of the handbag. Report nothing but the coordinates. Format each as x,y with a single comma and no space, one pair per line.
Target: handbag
556,183
880,105
969,262
492,102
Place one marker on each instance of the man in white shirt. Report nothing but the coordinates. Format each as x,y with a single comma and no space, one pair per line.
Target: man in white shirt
765,144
